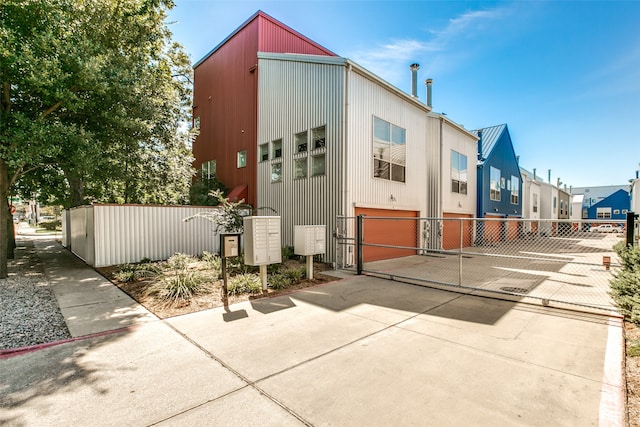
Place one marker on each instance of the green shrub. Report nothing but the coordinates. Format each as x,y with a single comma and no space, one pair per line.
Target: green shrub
132,272
244,283
287,253
625,285
182,282
51,225
296,274
214,262
279,281
236,265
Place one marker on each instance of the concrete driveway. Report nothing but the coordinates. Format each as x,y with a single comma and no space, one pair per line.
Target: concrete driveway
361,351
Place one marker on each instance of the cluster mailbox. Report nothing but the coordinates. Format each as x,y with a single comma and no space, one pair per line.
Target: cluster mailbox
263,241
310,240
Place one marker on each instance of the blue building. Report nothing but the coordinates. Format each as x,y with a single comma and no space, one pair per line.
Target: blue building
615,206
499,184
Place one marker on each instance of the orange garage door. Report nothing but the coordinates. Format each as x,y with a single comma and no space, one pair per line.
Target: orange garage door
388,232
451,231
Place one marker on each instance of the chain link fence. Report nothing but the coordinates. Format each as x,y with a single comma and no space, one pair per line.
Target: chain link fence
555,262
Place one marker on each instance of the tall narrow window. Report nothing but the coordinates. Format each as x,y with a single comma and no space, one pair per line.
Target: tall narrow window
301,142
242,159
276,172
494,184
389,151
208,169
276,149
535,202
263,153
300,168
318,165
458,172
515,190
318,137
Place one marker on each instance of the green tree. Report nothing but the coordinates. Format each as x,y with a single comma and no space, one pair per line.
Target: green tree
90,106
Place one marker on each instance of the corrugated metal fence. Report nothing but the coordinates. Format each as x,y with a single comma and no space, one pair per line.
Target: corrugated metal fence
104,235
551,261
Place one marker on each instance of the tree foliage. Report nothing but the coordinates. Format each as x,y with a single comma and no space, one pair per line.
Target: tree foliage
92,96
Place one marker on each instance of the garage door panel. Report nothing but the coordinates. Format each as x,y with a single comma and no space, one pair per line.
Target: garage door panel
392,232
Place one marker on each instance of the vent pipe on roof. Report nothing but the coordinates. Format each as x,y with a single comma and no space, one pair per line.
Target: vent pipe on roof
429,82
549,176
534,174
518,160
414,79
480,144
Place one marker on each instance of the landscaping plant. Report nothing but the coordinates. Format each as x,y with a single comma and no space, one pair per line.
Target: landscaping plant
625,285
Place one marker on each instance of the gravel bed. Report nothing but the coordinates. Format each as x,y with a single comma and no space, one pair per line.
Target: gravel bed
29,312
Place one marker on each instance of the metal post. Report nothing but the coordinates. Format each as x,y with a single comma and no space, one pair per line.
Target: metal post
460,255
631,217
359,241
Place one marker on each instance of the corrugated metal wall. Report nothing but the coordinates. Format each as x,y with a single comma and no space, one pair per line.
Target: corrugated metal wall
296,94
105,235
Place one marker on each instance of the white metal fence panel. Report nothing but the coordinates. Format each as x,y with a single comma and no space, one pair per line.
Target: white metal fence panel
104,235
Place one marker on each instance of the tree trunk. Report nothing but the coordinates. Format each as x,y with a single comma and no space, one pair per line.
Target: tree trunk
76,188
11,238
4,218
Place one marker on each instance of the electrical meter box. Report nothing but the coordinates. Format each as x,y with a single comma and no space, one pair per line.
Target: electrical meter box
262,240
229,245
310,239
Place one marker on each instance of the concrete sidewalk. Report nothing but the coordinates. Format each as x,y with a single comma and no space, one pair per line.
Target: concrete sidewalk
360,351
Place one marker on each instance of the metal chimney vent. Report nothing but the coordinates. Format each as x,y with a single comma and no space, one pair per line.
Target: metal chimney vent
414,79
429,83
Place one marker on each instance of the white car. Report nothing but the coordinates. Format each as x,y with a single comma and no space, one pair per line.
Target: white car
605,228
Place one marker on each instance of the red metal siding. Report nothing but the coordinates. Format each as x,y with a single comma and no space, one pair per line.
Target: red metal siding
225,97
278,38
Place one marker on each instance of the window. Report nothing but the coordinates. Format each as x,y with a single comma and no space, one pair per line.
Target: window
276,172
196,122
276,149
208,169
494,185
318,165
555,203
242,159
535,202
318,137
300,168
616,211
302,142
389,151
515,190
458,172
624,211
263,151
603,213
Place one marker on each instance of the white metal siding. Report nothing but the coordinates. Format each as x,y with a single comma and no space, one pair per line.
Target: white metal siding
82,233
130,233
294,96
418,193
463,143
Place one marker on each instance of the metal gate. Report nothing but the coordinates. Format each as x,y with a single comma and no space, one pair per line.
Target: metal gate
553,262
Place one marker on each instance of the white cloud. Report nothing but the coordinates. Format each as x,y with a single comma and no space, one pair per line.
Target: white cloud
440,49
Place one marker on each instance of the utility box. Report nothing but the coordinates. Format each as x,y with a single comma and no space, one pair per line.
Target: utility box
262,240
310,239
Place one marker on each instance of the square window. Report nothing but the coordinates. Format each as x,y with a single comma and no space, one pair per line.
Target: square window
318,137
276,172
397,173
301,142
276,149
318,165
300,168
242,159
264,153
381,169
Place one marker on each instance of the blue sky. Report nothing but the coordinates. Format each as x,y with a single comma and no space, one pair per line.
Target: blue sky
563,75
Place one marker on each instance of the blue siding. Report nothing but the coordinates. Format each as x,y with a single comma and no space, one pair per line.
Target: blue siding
618,201
502,156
